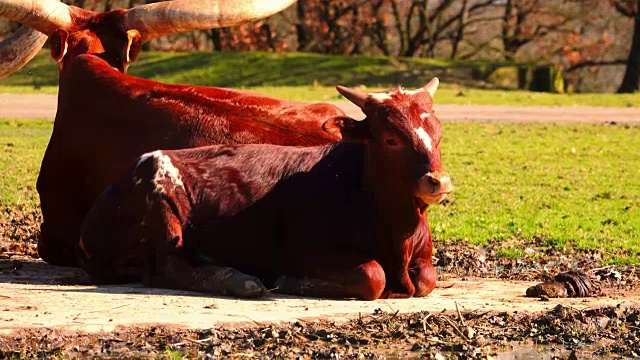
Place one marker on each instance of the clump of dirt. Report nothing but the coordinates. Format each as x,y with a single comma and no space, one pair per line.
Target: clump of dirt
574,283
474,335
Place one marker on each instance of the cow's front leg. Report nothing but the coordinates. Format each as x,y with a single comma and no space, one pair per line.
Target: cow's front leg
411,272
417,280
401,288
399,282
175,272
364,280
423,276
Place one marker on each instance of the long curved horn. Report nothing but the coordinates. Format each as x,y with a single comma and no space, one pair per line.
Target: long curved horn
355,96
18,49
169,17
43,15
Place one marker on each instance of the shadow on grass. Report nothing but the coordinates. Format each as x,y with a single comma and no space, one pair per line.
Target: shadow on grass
250,69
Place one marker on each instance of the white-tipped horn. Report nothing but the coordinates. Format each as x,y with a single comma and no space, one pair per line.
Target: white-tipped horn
18,49
169,17
355,96
432,87
43,15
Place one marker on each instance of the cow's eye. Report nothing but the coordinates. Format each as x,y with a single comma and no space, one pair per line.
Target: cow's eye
392,142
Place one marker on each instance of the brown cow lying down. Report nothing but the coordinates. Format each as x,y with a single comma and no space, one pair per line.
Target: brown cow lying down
341,220
106,119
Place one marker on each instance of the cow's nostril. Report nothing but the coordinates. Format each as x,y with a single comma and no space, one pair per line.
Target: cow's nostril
434,181
437,182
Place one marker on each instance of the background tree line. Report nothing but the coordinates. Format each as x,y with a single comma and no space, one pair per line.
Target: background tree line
589,40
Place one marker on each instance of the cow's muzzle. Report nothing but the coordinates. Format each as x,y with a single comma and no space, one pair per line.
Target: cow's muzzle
433,187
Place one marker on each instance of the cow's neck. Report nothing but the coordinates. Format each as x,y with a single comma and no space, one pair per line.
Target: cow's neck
398,216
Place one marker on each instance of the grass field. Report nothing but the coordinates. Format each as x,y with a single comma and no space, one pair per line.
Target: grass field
301,76
569,185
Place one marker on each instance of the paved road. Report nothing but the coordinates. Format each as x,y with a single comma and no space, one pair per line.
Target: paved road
44,106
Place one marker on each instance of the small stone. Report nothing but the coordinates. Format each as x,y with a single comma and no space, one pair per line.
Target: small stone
470,333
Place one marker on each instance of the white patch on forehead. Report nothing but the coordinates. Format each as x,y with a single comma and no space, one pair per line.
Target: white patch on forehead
413,92
166,173
424,115
381,96
422,134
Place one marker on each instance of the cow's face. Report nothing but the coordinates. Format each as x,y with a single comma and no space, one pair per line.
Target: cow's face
404,137
99,34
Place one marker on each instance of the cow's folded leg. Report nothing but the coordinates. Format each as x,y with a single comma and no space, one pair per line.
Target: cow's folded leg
167,265
365,282
175,272
58,236
423,275
416,281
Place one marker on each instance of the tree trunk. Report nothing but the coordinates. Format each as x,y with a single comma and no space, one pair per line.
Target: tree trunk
464,16
631,79
266,30
379,30
507,33
216,38
301,28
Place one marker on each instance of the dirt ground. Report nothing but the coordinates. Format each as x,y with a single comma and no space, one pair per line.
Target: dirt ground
26,106
34,297
478,309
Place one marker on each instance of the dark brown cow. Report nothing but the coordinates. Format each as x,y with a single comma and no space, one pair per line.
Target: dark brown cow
341,220
106,119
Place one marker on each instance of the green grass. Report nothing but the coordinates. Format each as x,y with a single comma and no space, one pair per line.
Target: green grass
22,145
570,185
312,77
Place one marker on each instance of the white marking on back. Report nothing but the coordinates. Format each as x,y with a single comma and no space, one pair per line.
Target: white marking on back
422,134
166,171
424,115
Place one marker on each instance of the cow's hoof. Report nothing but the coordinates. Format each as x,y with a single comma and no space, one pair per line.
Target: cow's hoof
245,286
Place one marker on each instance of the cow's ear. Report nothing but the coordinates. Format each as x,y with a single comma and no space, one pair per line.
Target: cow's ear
347,128
132,50
58,45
